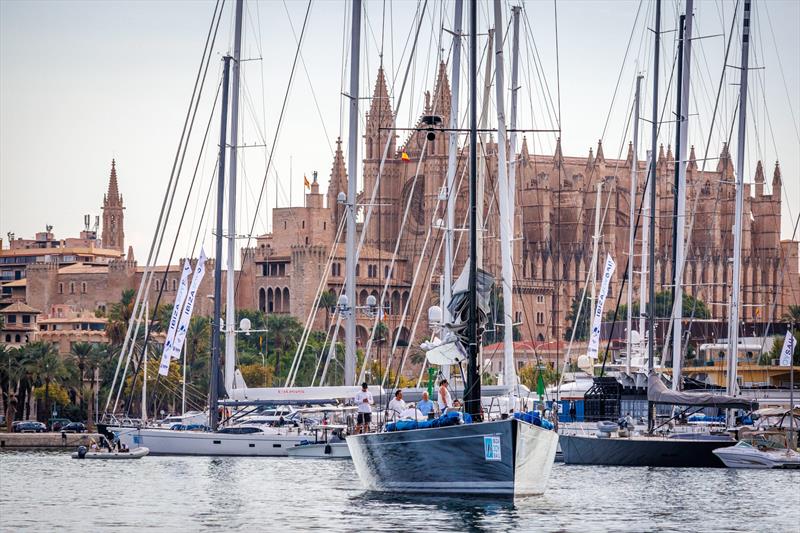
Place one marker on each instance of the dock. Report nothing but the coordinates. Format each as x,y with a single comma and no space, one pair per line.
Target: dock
47,440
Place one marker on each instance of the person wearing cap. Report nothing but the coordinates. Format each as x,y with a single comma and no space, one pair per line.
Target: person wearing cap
445,400
397,405
364,403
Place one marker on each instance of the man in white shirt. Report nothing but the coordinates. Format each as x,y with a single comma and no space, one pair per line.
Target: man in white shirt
397,405
445,400
364,402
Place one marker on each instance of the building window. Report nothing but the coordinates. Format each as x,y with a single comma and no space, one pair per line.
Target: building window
8,338
306,240
324,225
358,270
386,271
83,287
12,319
16,338
174,284
265,269
158,284
539,318
26,319
372,271
540,298
518,316
43,327
72,287
284,224
303,224
60,288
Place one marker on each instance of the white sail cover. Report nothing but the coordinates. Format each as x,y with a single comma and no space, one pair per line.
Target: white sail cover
186,313
658,392
299,394
597,320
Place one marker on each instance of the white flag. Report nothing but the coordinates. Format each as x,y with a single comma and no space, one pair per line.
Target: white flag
788,349
183,288
597,320
186,315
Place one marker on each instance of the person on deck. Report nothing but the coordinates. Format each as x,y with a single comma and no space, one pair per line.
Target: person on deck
425,405
445,400
397,405
364,402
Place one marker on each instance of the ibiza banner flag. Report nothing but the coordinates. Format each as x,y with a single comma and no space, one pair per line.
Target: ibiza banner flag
597,319
788,349
183,288
186,314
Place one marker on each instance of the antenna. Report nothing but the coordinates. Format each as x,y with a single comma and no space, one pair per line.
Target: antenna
49,228
86,221
96,223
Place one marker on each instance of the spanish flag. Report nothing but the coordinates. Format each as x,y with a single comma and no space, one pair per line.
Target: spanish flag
404,157
305,182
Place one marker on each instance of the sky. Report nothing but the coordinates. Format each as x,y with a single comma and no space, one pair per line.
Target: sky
84,82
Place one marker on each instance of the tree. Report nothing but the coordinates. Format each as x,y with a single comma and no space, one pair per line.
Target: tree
12,373
582,324
327,301
529,375
792,315
79,352
46,364
119,317
691,307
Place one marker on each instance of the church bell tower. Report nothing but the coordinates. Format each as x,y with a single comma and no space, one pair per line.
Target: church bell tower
113,235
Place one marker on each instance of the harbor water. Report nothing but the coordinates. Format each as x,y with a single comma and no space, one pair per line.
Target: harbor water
46,491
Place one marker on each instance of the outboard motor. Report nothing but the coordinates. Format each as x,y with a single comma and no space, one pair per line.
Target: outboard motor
82,452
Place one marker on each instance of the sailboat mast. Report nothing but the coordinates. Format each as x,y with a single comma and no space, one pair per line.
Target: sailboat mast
472,392
352,190
681,141
230,279
652,244
631,217
216,326
733,321
144,359
506,211
452,164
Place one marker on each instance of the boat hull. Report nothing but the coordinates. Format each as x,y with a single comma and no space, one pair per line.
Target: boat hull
336,450
642,451
735,457
168,442
501,458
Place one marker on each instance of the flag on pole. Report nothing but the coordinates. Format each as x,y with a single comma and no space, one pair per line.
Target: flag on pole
597,320
788,349
404,156
305,182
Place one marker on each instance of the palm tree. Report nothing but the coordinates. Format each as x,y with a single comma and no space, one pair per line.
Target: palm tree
11,374
119,317
80,351
282,334
327,300
45,363
792,315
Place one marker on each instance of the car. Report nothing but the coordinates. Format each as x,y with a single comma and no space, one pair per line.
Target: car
29,426
55,424
74,427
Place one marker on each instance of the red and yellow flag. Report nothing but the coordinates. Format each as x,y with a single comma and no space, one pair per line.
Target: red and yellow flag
305,182
404,157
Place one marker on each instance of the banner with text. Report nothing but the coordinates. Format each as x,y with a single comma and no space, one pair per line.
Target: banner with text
180,297
597,319
186,314
788,349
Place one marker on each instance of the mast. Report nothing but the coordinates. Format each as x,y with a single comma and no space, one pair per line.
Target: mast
733,321
484,117
216,325
452,164
183,383
596,243
472,392
512,165
506,210
631,217
648,191
352,190
652,243
230,279
681,139
144,359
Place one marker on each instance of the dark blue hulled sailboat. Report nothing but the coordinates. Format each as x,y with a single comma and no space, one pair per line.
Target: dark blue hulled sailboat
461,454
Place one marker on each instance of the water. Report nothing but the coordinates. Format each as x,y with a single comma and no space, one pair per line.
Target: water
46,491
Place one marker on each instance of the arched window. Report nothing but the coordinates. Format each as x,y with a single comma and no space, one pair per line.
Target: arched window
16,338
386,271
278,301
8,337
362,297
324,225
270,301
72,287
284,224
83,287
174,284
358,270
158,284
405,299
395,309
286,307
262,299
303,224
60,288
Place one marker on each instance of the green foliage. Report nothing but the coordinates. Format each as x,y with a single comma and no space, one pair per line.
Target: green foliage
494,324
777,346
691,307
529,375
582,324
792,315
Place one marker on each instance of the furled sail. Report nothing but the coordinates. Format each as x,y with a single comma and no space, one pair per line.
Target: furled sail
657,392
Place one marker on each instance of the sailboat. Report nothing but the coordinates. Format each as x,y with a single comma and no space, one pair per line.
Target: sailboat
460,454
673,450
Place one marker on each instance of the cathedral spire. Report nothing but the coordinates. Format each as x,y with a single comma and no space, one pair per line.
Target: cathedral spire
600,159
379,119
759,179
337,183
590,161
725,165
661,158
113,195
113,235
558,157
524,153
692,159
442,94
776,180
629,158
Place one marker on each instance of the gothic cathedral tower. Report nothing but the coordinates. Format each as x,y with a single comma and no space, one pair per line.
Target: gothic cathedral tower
113,235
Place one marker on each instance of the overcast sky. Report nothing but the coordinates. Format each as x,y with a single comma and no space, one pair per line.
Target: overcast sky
84,82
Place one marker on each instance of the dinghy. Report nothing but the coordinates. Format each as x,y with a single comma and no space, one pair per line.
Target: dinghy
84,453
